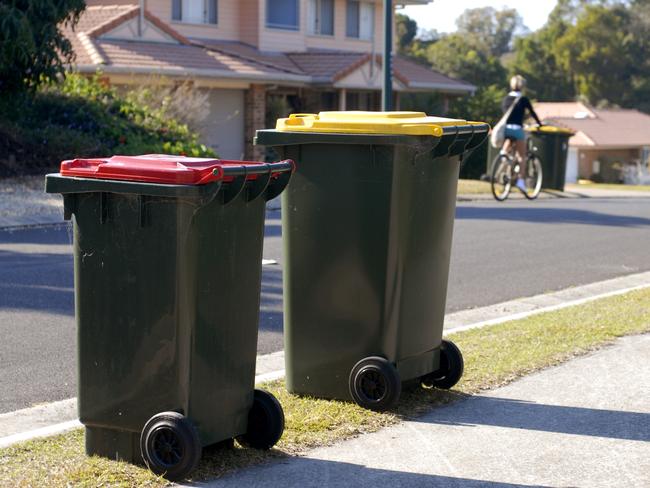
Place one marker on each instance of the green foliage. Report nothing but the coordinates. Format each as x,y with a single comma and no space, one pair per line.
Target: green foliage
406,29
32,46
82,117
491,28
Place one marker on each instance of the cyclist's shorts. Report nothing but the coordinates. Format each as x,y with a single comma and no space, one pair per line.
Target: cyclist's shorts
515,131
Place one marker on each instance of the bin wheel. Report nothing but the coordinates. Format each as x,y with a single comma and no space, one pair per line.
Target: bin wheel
170,445
375,384
451,368
265,422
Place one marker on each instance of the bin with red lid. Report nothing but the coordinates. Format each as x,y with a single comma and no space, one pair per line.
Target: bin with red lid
167,258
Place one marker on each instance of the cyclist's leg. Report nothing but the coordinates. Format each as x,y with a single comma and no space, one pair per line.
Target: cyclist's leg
520,148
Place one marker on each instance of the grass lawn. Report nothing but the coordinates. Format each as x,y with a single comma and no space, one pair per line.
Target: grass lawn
607,186
494,356
467,187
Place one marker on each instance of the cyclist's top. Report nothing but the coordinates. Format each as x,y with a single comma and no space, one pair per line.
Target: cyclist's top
518,113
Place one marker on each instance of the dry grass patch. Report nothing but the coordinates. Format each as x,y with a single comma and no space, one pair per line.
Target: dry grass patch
494,356
607,186
473,187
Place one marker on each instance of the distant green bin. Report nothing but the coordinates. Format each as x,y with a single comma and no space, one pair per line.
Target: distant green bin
167,259
551,145
367,227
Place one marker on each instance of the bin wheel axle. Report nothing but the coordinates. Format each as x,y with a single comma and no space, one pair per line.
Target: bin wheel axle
170,445
451,368
265,422
375,383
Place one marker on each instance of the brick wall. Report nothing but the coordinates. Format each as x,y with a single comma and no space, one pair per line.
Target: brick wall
254,119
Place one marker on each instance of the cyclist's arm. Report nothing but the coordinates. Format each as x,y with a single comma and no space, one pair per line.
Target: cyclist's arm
529,106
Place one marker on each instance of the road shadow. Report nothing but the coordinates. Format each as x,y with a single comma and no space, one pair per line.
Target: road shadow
549,216
47,234
517,414
294,472
273,229
37,281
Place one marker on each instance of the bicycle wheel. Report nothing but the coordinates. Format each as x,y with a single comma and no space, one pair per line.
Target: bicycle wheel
533,177
501,181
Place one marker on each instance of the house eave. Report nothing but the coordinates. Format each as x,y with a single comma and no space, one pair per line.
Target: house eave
446,87
295,80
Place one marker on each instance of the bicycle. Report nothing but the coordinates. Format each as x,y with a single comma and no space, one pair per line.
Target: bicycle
506,169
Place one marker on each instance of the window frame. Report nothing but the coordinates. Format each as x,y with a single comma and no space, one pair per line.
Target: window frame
284,27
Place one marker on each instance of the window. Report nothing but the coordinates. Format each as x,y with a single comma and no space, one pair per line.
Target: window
321,17
360,20
195,11
282,14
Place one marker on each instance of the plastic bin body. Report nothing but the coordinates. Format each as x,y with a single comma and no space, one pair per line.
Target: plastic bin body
167,291
551,145
367,227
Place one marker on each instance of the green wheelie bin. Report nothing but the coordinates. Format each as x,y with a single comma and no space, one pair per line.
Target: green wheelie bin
551,145
367,227
167,263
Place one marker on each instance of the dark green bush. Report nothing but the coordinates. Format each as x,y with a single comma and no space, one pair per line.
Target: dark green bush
82,117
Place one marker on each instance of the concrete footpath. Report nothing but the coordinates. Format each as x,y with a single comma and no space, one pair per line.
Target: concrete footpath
585,423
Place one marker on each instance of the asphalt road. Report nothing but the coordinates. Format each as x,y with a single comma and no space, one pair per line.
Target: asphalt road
500,252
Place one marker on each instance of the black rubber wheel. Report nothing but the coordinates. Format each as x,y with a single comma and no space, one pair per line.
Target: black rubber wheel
265,422
451,368
170,445
375,384
501,180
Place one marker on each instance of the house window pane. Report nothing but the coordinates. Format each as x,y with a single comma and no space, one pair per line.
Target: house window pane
352,19
212,12
195,11
327,17
176,10
320,17
366,20
282,14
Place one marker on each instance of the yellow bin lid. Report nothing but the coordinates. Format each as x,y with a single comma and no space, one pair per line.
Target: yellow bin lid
359,122
551,129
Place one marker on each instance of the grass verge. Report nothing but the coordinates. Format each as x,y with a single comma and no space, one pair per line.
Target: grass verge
494,356
608,186
473,187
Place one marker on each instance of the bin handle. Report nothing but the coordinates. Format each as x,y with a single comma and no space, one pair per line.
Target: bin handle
270,179
280,179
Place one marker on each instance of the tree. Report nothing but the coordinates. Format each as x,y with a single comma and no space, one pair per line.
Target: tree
492,28
598,53
406,30
32,46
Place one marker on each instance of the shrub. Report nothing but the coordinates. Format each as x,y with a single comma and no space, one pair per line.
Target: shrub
82,117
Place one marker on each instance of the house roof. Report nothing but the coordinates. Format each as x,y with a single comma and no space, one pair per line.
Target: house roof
598,128
97,45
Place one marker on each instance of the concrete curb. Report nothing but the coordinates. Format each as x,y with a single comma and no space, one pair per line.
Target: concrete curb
58,417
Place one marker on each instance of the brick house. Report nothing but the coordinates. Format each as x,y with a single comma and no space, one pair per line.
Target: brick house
608,142
252,56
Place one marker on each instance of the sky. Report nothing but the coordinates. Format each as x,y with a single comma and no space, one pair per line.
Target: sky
441,15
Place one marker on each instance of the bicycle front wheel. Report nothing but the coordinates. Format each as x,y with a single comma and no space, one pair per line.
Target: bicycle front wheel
501,177
533,177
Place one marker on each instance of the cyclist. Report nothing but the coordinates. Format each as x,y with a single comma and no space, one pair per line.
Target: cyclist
515,124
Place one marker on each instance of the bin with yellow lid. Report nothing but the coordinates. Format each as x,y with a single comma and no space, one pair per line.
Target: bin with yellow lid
551,145
367,227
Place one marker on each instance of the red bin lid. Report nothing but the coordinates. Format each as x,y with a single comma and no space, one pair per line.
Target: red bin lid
152,168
